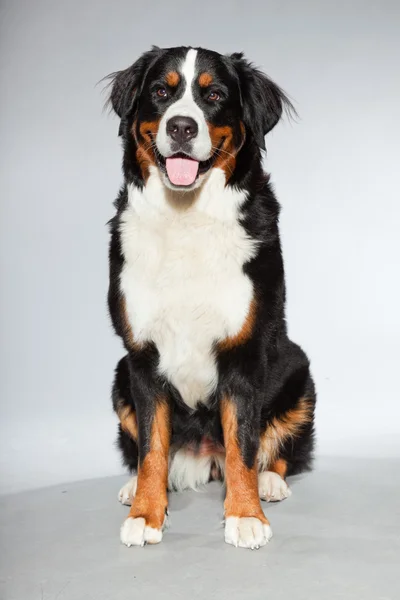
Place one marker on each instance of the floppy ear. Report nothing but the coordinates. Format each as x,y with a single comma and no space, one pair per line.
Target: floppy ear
263,101
127,84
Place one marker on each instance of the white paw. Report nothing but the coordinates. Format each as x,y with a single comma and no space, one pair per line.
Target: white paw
134,532
247,532
272,488
127,493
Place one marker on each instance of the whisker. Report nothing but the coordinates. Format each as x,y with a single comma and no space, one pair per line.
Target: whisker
222,150
218,150
148,146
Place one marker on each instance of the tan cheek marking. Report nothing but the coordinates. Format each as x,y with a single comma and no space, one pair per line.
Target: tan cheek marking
145,153
128,421
172,79
222,138
242,498
283,428
245,332
151,497
205,79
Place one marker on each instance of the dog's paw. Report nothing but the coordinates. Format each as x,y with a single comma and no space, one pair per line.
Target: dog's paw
246,532
127,493
135,532
272,488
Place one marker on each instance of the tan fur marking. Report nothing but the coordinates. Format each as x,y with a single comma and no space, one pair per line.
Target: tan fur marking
280,467
205,79
280,429
242,498
222,143
172,79
145,153
128,421
127,329
151,499
245,332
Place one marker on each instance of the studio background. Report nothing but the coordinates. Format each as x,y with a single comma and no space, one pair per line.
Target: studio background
335,172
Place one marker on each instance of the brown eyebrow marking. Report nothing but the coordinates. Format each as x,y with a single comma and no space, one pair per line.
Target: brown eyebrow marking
205,79
172,78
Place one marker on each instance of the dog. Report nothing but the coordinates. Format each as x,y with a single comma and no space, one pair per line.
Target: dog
210,387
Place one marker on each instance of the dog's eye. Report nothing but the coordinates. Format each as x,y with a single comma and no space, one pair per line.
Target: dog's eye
162,92
214,96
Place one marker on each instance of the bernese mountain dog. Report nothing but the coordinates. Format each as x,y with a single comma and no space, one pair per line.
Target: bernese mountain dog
210,387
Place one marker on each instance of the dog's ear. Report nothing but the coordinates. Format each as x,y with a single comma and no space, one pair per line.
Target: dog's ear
126,85
263,101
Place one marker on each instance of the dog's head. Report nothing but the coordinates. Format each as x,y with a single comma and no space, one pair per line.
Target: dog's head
187,111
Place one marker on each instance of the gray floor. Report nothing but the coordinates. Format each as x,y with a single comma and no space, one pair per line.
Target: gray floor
337,536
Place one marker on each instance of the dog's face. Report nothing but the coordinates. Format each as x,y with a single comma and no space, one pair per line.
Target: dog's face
189,110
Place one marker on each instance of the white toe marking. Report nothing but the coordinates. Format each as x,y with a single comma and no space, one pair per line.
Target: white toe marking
134,532
128,491
246,532
152,536
272,488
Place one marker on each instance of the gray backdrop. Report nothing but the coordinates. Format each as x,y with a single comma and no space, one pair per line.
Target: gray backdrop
335,172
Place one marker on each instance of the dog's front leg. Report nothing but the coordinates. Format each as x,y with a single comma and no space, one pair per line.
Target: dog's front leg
147,516
246,525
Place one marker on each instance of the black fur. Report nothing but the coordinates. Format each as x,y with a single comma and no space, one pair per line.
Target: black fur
268,374
263,101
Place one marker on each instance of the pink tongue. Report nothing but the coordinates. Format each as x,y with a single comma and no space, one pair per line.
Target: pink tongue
182,171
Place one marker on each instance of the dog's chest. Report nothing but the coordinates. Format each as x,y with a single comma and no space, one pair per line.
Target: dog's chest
185,289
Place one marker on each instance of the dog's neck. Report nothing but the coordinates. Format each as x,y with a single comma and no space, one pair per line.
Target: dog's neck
213,198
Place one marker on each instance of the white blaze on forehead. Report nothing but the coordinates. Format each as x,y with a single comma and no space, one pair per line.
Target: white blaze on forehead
186,106
189,71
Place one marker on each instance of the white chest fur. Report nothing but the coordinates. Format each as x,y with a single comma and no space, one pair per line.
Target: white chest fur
183,279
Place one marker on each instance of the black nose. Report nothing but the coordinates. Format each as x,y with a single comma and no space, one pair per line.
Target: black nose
182,129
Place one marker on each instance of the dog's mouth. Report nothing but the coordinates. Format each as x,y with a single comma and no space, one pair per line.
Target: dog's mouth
183,170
